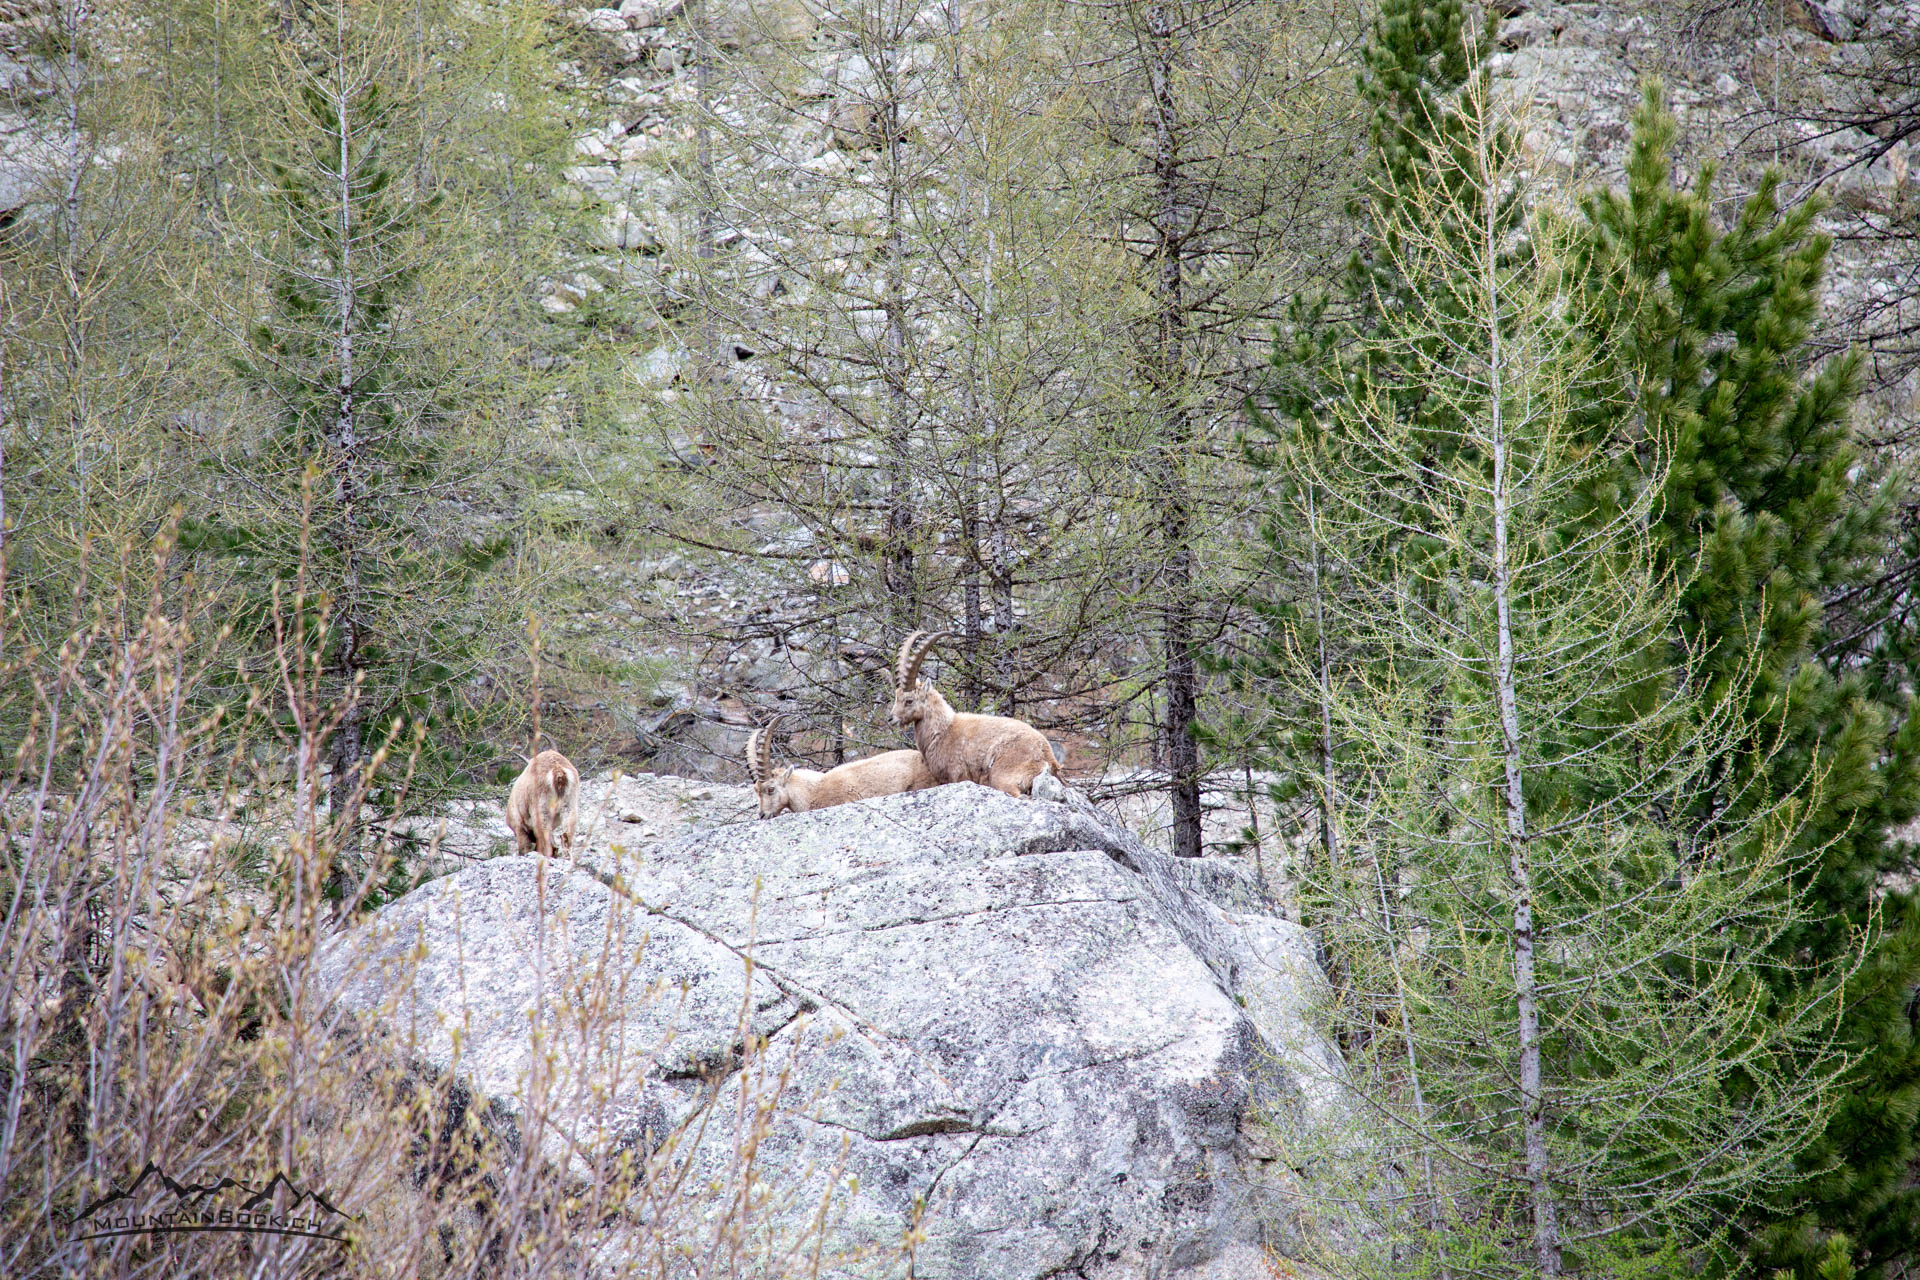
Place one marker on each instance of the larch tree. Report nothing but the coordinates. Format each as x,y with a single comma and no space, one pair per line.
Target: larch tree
1577,1042
1781,528
932,332
383,258
1220,146
92,352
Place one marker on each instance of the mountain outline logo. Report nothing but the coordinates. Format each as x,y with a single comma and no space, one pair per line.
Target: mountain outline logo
196,1208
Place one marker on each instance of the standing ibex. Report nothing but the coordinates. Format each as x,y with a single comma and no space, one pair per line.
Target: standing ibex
546,793
959,746
779,790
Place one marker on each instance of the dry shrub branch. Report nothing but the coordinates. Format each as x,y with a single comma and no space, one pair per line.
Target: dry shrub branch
181,1090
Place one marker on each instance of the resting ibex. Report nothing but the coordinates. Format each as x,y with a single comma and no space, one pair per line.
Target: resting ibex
546,792
1002,752
799,790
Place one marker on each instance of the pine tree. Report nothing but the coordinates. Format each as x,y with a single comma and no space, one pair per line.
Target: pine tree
1762,509
374,387
1774,518
1564,960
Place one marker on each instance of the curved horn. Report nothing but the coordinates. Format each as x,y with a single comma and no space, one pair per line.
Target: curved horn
753,755
920,643
760,751
906,652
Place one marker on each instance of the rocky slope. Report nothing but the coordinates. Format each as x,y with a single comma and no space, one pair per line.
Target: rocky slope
1740,75
1745,80
1076,1053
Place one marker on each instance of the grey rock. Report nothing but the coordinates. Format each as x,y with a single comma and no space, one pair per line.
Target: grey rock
21,78
17,185
668,566
1049,787
1009,1007
649,13
603,21
1527,28
693,738
1828,21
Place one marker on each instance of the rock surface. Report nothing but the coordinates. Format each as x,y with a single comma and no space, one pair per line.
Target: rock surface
1010,1009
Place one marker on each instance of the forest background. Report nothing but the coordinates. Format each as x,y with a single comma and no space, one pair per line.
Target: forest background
659,367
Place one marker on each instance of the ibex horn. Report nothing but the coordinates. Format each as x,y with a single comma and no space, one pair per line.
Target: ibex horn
753,754
760,751
914,652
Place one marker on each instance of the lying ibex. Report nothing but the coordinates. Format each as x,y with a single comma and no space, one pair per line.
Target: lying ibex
799,790
544,794
959,746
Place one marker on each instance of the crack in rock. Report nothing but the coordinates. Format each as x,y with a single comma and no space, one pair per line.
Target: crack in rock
1075,1028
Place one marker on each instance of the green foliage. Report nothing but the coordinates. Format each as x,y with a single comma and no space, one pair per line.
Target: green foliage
1413,66
92,369
384,313
1772,516
1547,971
1425,129
1415,61
1695,486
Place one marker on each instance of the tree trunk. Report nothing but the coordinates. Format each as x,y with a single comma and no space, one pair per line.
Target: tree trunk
1176,504
5,423
1413,1056
1546,1226
1329,835
972,684
77,320
348,750
1001,581
977,423
706,215
902,587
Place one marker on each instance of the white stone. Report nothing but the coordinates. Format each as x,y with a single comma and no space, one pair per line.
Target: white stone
657,368
1008,1005
648,13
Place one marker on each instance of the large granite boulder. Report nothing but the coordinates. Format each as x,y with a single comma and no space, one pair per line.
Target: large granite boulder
1073,1051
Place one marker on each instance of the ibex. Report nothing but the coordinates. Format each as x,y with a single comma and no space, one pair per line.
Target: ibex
959,746
799,790
544,794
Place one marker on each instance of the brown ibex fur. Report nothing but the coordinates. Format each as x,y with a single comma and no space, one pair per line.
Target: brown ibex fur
799,790
959,746
546,795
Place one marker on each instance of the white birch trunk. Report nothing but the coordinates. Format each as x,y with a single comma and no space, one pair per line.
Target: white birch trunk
1546,1225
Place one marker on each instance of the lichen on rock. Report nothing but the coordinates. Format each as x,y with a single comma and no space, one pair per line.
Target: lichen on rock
1013,1012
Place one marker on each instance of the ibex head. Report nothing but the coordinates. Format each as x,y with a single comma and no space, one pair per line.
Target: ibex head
769,784
911,694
